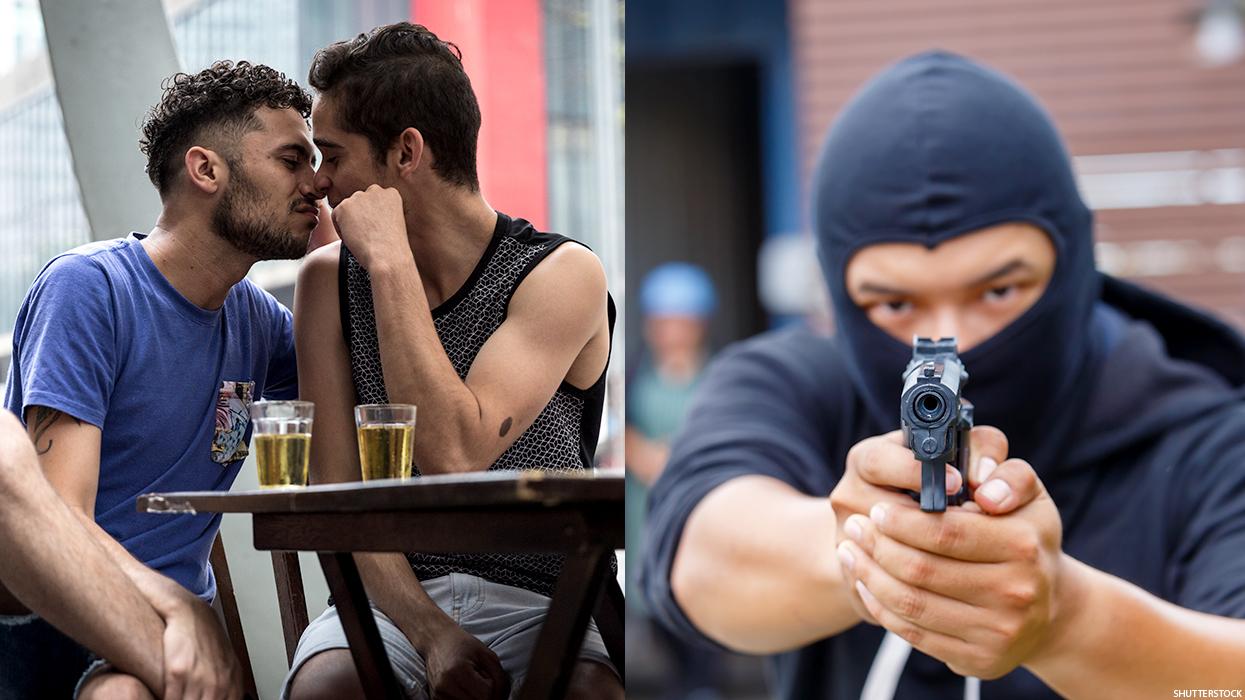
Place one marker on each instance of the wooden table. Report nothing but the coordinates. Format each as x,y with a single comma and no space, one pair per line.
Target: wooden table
579,515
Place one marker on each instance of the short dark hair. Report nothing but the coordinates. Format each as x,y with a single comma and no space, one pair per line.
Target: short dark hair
222,98
398,76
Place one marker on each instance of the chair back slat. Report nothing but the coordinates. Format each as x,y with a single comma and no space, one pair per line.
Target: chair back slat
291,599
227,605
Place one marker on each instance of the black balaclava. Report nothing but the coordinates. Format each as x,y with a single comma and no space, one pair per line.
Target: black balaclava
938,146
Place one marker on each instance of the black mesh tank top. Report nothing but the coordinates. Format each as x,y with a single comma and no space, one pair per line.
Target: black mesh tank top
562,438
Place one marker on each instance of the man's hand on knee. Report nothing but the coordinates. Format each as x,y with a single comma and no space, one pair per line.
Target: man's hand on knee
198,660
460,666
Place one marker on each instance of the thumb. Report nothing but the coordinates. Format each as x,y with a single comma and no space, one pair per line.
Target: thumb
988,450
1012,485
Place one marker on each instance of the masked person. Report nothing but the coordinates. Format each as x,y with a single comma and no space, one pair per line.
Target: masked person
134,363
1105,546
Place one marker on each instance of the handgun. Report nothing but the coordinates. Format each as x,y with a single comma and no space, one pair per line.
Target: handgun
937,419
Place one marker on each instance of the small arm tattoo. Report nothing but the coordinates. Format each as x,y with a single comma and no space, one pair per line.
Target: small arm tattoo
45,418
505,427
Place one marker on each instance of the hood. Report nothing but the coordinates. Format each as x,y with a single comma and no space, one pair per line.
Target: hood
1166,365
937,146
934,147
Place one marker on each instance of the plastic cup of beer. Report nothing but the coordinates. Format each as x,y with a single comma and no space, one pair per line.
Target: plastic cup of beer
386,440
282,441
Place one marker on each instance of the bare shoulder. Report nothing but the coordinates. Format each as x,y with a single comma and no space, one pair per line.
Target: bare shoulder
570,270
563,299
319,270
315,294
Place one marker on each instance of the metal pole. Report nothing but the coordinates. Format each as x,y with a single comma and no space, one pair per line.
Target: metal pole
108,62
605,58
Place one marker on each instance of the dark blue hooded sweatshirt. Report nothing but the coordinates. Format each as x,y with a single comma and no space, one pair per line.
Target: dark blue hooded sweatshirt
1128,405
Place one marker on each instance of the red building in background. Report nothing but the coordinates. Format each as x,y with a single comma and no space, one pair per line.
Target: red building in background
503,53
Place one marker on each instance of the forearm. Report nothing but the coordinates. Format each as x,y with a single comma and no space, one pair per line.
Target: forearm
1121,637
756,570
162,593
54,566
408,340
394,588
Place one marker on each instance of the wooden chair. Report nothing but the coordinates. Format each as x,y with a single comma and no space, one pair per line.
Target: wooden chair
291,599
226,606
609,616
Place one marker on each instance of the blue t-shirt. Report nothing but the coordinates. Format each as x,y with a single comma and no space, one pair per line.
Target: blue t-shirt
105,338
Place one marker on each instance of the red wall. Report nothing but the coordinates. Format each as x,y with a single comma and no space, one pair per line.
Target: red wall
503,53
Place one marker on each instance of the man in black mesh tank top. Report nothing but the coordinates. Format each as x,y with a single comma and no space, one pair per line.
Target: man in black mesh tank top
499,333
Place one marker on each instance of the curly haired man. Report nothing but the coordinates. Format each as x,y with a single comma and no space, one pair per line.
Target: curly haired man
122,351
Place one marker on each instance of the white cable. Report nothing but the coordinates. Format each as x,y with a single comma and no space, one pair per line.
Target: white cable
972,688
887,667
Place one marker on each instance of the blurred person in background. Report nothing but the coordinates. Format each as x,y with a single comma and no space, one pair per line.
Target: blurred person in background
134,363
498,332
677,301
1104,547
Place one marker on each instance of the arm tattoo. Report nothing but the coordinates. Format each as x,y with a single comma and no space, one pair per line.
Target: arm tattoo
45,418
505,427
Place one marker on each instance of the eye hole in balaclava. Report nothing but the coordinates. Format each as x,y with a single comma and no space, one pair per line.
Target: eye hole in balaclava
970,287
933,148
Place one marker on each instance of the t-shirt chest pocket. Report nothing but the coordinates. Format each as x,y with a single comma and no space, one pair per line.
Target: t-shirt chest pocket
233,415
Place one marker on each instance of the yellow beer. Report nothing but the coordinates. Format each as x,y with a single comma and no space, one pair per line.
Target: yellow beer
386,450
282,459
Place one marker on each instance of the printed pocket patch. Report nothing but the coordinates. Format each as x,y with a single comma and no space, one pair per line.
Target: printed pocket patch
233,415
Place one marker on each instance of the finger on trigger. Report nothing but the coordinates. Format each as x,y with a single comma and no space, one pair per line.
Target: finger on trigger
986,442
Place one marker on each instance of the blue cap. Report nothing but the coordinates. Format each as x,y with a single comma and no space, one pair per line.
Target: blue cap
677,289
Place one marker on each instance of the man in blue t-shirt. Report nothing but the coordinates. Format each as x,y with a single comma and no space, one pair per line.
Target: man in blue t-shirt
1102,552
134,364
